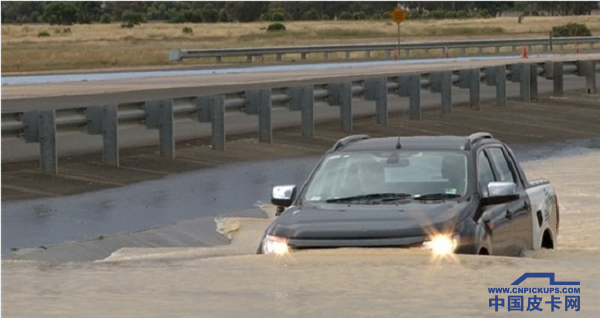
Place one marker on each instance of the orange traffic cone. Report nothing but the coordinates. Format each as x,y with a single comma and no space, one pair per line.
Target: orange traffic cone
524,53
577,46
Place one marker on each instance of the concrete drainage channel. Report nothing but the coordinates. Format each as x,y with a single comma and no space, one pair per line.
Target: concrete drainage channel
205,233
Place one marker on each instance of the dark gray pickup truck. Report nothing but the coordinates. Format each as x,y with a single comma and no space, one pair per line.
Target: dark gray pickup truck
448,194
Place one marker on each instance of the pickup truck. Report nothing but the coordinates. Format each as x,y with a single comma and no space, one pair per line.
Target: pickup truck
448,194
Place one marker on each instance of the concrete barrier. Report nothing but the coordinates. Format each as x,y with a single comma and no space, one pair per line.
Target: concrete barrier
43,126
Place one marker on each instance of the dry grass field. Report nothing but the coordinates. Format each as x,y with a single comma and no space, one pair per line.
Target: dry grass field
104,46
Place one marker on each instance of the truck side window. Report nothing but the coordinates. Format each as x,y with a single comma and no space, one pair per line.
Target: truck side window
501,165
485,174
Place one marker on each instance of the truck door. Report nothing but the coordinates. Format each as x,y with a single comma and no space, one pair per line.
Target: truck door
520,210
495,215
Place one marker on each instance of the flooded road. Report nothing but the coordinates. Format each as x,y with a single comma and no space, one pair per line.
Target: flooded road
147,205
230,281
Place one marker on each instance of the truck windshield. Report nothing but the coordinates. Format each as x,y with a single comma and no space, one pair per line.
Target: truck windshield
363,177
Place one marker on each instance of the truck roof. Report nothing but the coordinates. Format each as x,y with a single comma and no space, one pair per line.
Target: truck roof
364,142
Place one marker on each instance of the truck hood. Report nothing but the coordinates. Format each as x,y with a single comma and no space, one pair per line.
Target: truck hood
364,222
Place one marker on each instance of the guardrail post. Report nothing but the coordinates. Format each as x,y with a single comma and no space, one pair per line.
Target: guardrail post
470,79
557,80
159,115
259,102
410,86
533,82
415,97
524,79
301,99
278,57
110,121
165,129
441,82
346,106
47,138
104,120
521,73
500,85
446,92
474,89
588,69
217,105
211,109
376,89
341,94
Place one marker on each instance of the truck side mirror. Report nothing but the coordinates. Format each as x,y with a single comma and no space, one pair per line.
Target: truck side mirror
500,192
283,195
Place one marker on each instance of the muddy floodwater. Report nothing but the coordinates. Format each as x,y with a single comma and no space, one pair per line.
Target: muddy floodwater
230,281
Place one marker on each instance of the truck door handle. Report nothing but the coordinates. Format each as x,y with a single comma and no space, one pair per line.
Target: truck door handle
508,215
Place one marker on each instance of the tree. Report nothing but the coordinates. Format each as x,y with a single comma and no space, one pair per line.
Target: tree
88,11
210,14
246,11
60,13
223,16
493,8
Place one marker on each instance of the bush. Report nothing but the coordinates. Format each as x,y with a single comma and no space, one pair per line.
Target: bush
187,30
571,29
376,16
129,19
345,16
310,15
325,17
414,14
276,27
105,18
43,34
64,31
359,15
462,14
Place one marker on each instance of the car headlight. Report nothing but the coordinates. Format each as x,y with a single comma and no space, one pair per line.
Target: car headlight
275,245
441,244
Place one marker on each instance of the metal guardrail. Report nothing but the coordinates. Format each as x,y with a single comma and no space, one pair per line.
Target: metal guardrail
43,126
547,44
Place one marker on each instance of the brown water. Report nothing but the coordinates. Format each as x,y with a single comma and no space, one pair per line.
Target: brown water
230,281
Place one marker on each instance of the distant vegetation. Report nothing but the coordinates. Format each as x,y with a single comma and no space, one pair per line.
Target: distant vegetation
571,29
132,13
276,27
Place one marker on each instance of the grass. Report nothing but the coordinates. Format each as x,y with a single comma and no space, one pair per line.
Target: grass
455,31
101,46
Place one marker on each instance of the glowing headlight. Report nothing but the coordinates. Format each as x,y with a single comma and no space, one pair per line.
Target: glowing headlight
442,244
275,245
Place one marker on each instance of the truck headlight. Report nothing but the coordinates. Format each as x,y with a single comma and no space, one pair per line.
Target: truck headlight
275,245
441,244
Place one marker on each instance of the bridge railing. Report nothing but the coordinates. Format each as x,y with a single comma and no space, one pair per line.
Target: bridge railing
43,126
454,48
